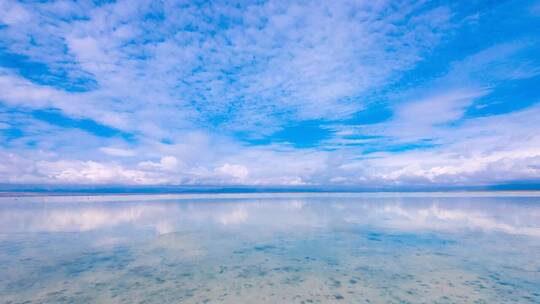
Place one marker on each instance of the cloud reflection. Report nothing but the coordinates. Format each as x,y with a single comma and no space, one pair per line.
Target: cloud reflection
234,217
517,216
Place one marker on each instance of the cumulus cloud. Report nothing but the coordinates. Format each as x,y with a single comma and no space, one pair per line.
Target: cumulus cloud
237,171
166,163
89,171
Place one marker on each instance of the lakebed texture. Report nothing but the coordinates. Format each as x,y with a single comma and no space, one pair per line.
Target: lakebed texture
271,249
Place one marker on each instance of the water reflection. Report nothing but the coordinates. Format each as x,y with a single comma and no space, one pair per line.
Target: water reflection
271,249
518,215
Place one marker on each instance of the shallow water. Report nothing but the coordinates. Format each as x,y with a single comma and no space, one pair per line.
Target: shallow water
287,248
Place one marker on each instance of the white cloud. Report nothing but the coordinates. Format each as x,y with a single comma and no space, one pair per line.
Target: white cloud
117,151
237,171
419,119
183,86
484,150
90,172
166,163
169,162
339,49
487,150
12,13
437,109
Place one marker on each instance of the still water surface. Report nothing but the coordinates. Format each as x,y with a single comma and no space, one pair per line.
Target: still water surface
279,248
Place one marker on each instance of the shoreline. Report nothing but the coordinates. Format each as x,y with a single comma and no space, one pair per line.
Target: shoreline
261,195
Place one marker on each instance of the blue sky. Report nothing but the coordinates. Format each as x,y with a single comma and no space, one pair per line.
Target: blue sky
355,93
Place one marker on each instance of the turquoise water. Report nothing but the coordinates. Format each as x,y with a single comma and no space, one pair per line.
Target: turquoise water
279,248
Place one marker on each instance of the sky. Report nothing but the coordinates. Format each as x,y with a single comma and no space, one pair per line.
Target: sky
283,93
